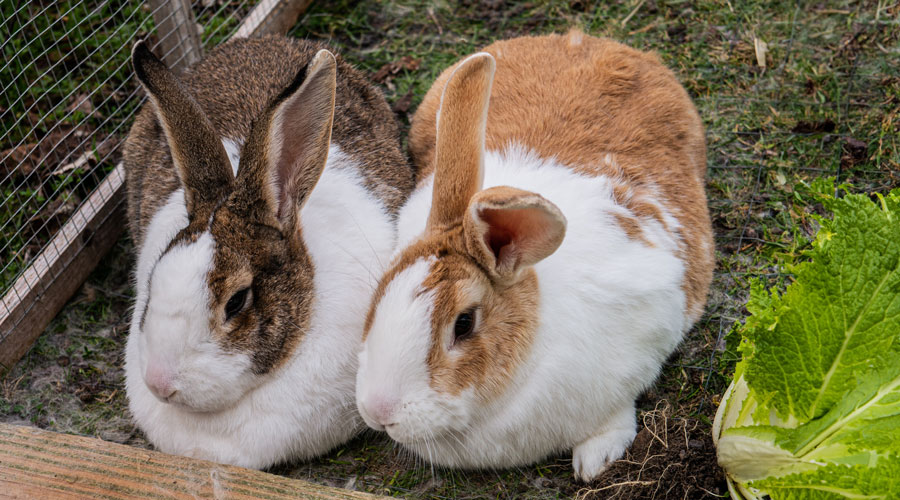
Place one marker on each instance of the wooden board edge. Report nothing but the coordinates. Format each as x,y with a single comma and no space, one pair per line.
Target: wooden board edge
271,16
57,272
37,463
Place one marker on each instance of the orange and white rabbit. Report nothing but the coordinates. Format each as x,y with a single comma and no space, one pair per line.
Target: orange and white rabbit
556,249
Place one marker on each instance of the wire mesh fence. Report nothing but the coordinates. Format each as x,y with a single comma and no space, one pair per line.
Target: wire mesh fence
68,98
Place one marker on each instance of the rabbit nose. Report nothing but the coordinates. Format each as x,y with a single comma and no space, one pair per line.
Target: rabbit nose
160,381
382,409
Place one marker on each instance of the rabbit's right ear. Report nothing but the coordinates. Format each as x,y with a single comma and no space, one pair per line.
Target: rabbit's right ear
197,152
508,229
288,147
459,149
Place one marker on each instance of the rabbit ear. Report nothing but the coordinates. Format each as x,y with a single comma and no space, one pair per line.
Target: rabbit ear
197,152
459,149
508,229
288,147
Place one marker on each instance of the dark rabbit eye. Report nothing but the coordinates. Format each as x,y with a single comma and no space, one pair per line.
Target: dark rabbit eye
464,326
236,303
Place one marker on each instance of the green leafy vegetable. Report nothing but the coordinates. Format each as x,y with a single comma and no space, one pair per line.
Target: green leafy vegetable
814,409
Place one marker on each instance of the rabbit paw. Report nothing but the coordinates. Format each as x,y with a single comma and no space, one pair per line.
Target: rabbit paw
592,457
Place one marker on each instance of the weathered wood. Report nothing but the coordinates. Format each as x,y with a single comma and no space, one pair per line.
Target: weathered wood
179,43
40,464
61,267
271,16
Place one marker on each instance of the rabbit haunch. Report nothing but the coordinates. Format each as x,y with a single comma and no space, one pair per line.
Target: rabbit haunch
565,212
263,218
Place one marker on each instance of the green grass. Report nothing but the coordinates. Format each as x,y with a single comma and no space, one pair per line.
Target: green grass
56,54
825,105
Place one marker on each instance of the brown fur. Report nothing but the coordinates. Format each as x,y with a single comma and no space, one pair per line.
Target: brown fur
482,241
233,85
487,360
597,97
241,89
486,231
597,106
203,169
461,142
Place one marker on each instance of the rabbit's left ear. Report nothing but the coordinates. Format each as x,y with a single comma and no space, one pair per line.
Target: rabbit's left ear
508,229
197,152
287,149
459,147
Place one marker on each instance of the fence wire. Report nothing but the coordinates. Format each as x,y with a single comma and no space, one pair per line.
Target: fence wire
68,98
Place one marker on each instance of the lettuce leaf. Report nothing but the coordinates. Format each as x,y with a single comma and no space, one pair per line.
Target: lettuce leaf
814,410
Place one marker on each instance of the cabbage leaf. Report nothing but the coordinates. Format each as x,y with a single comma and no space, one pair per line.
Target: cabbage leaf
814,408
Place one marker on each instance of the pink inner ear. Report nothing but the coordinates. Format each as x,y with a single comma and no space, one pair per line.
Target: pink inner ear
518,234
293,129
497,238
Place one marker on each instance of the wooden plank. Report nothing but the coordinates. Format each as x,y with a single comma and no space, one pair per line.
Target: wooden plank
179,43
271,16
41,464
61,267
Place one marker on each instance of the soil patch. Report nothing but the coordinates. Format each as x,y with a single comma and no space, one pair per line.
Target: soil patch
671,458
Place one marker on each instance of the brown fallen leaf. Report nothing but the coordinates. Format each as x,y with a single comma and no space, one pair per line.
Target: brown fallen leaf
402,105
81,102
857,148
804,127
51,217
57,146
389,70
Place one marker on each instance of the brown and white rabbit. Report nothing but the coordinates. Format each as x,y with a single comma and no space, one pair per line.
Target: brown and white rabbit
261,231
555,251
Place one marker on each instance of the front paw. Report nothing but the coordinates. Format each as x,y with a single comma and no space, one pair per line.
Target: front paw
592,457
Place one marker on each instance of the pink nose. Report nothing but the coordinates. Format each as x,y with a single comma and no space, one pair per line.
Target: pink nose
160,381
381,409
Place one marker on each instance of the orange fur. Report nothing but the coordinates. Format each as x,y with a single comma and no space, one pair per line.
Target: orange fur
461,141
599,107
595,98
487,360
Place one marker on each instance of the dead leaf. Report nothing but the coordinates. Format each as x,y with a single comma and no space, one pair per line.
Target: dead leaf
760,47
803,127
63,143
402,105
857,148
389,70
51,217
81,102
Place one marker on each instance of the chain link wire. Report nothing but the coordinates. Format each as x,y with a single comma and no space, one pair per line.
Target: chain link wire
67,99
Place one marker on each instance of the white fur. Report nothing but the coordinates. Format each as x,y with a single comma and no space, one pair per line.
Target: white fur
397,374
307,406
611,310
233,150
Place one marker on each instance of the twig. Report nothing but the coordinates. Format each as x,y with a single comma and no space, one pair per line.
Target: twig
78,163
632,13
436,23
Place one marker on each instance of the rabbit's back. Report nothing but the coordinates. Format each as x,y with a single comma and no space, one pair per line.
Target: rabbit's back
233,85
600,108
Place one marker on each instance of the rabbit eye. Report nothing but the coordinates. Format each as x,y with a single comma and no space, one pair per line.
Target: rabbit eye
464,326
236,303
